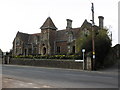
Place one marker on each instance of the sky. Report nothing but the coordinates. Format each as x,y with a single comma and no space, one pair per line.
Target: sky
29,15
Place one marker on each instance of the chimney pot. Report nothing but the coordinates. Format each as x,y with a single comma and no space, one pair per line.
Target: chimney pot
101,23
69,24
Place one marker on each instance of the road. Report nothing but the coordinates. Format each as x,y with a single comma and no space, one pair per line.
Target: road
0,73
62,78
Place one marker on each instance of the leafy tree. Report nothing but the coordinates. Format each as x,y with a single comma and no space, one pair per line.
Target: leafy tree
102,44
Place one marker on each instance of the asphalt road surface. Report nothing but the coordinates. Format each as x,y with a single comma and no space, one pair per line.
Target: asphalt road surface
62,78
0,73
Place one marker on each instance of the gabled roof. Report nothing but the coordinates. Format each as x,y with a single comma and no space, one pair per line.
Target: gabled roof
63,36
48,24
86,24
23,36
27,38
76,32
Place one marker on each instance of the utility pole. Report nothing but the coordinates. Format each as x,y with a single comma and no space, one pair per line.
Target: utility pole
93,42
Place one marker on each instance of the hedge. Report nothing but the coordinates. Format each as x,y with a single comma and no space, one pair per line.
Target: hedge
49,56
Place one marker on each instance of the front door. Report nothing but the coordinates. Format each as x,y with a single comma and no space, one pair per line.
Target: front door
44,50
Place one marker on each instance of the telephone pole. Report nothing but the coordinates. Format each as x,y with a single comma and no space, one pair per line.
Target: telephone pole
93,41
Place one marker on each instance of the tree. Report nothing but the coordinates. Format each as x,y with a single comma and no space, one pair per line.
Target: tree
102,44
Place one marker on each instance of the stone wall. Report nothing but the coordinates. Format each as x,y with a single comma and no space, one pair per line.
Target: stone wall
71,64
116,51
63,47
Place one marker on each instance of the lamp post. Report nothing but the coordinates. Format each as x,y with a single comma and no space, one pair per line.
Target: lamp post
83,50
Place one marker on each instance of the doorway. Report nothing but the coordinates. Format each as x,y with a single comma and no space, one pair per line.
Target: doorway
44,50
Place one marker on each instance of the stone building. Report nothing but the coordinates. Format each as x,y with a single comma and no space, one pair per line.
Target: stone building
51,41
116,51
1,55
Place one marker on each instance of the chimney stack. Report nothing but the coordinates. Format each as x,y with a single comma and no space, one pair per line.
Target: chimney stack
69,24
101,23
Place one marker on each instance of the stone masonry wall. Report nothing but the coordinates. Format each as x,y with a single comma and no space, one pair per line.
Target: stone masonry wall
71,64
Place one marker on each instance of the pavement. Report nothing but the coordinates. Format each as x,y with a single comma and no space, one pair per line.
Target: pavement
8,82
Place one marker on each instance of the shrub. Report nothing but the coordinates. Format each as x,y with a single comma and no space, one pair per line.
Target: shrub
50,56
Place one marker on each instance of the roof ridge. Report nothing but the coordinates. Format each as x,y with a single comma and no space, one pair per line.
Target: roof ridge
48,24
23,33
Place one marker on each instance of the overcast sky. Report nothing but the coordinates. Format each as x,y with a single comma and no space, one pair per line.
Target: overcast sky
28,16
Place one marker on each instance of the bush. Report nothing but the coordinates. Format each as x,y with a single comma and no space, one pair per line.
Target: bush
50,56
110,59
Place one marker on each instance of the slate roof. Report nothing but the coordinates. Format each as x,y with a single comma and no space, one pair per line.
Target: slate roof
88,25
23,36
48,24
62,34
75,32
27,38
32,36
